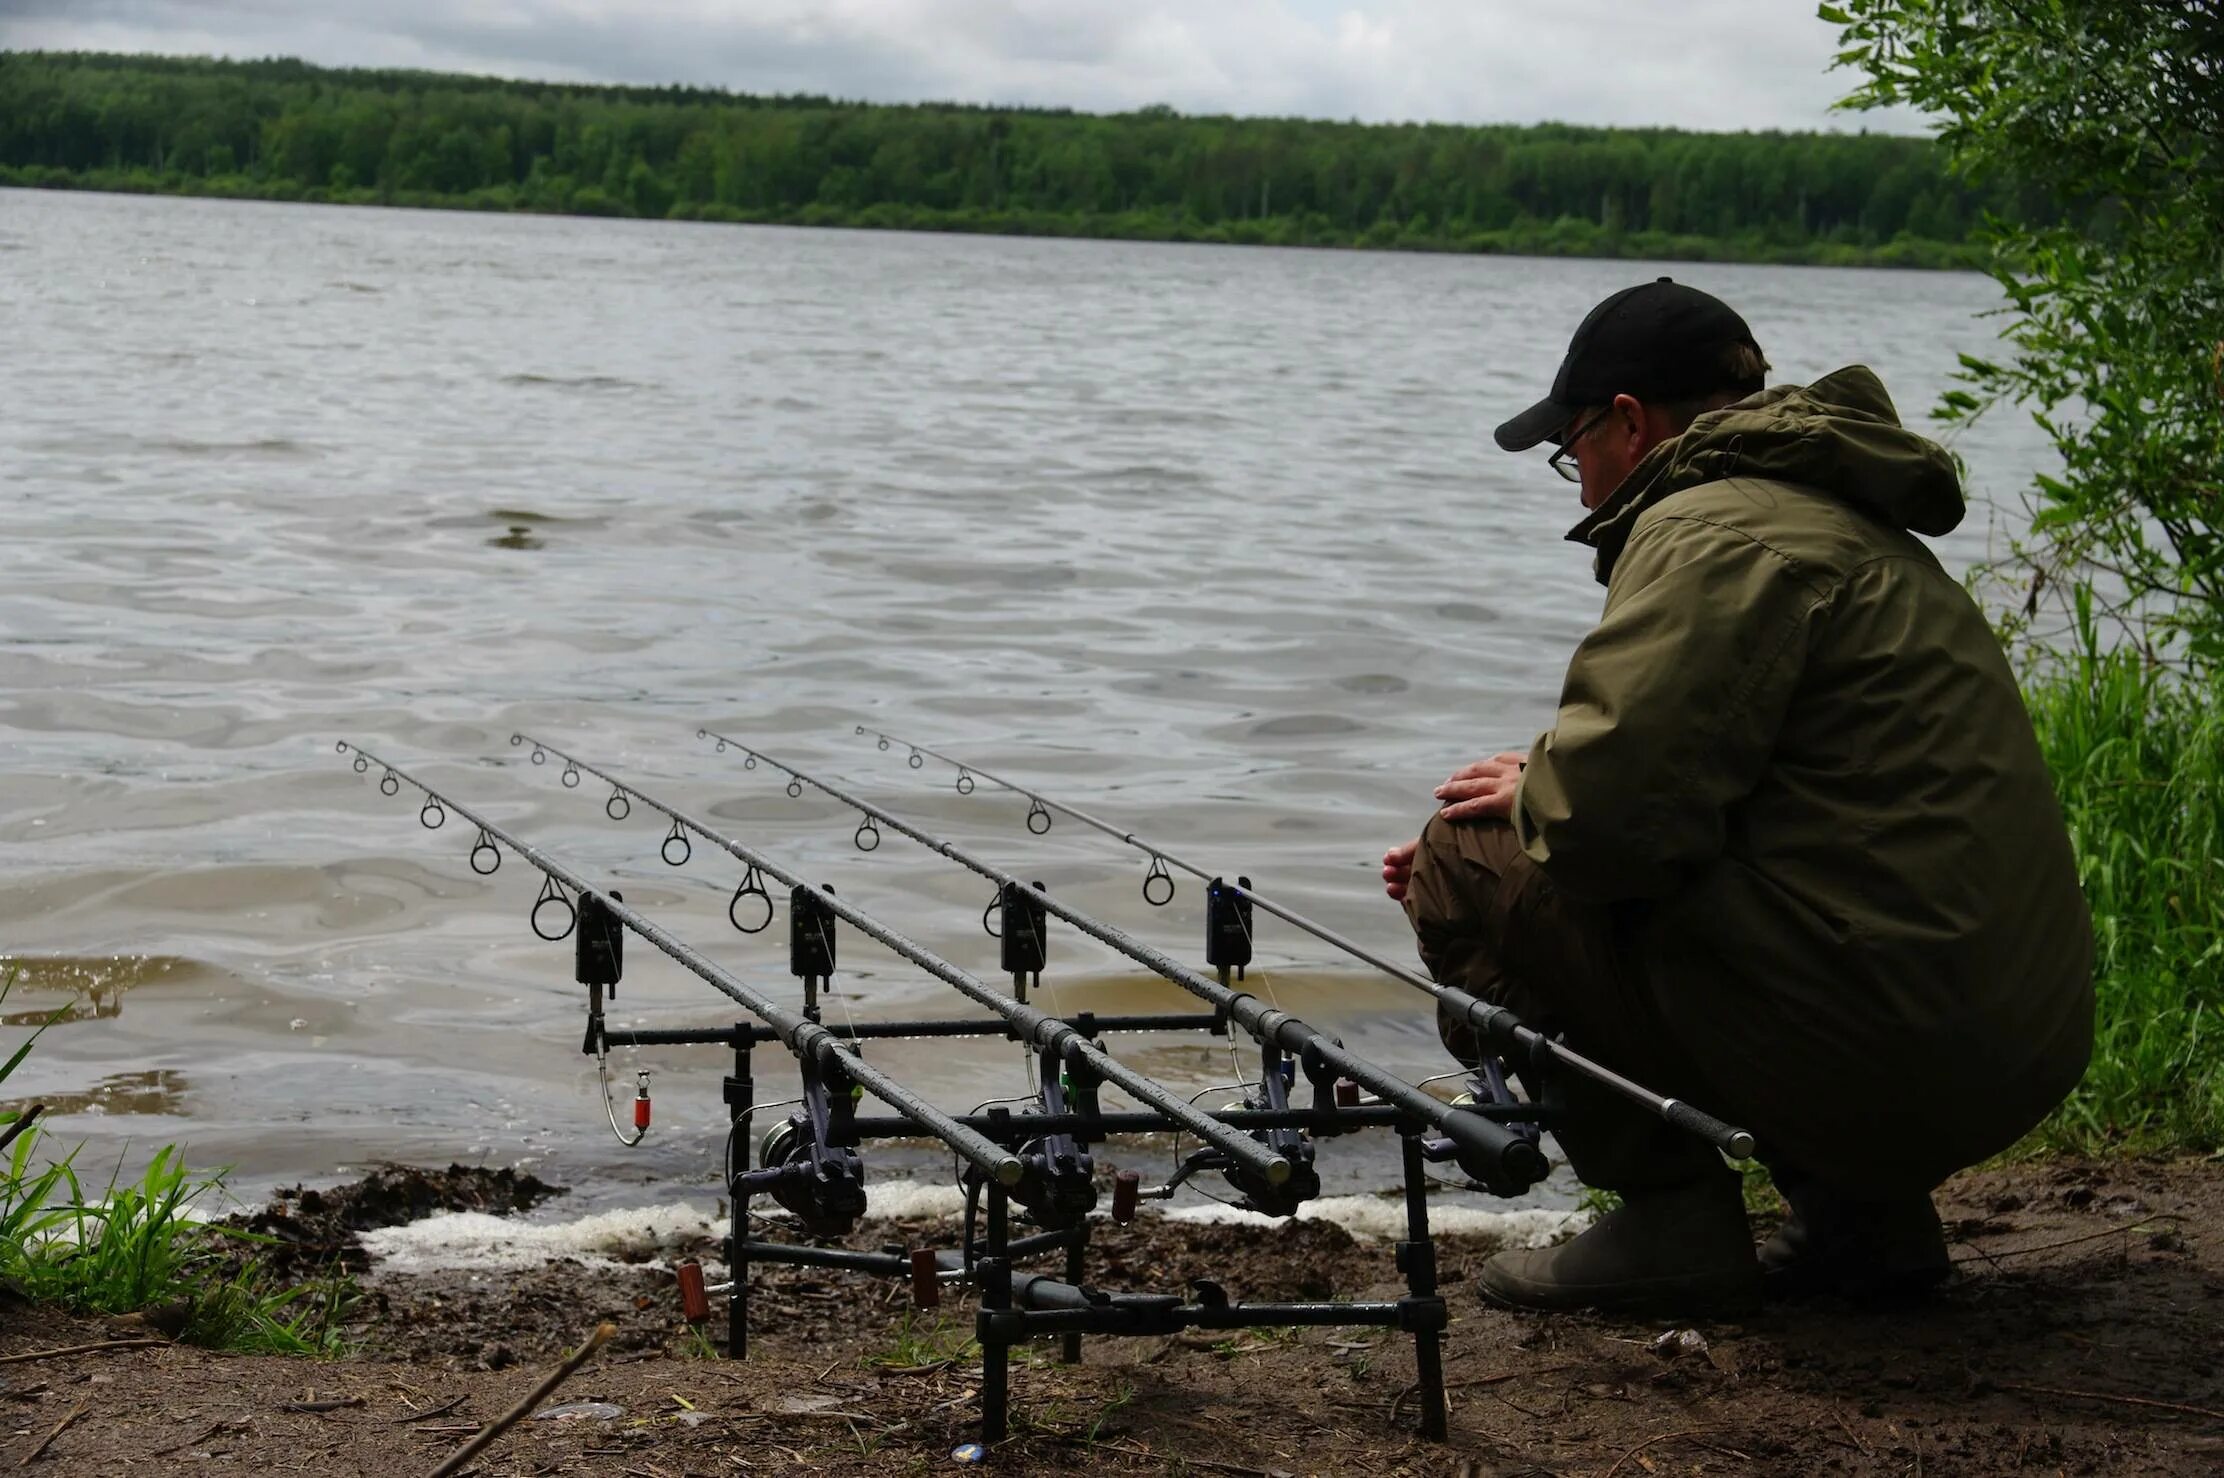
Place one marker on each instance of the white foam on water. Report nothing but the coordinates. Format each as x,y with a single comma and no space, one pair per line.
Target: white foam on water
653,1235
1382,1218
473,1240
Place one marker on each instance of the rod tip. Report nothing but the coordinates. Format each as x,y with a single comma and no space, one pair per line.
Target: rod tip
1741,1145
1277,1171
1008,1171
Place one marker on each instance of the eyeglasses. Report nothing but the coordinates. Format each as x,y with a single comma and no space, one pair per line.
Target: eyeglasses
1563,460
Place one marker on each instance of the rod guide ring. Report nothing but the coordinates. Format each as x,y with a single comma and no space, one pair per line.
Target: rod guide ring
751,885
618,807
965,782
1158,874
865,830
432,815
687,848
551,893
361,764
485,844
571,776
389,784
795,788
1037,812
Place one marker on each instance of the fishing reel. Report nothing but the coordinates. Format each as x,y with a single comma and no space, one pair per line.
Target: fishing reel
1058,1187
1520,1162
1277,1073
808,1163
823,1187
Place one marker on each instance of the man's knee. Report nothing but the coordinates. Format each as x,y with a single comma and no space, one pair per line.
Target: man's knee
1457,870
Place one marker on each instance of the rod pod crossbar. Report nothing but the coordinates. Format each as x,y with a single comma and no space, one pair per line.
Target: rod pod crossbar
1039,1028
1486,1151
808,1040
1492,1023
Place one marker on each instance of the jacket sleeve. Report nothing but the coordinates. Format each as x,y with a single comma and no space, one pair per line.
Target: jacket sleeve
1669,712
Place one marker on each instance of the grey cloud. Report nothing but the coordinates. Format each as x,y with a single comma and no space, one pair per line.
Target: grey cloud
1693,63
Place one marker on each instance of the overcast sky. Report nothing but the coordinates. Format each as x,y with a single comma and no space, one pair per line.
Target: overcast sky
1712,64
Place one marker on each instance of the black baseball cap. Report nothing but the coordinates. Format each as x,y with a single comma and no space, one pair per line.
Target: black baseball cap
1655,341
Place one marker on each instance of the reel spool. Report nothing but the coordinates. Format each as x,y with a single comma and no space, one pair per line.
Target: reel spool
827,1205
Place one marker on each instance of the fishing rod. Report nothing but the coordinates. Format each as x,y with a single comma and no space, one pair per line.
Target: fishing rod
1058,1042
811,1042
1493,1022
1010,1154
1504,1161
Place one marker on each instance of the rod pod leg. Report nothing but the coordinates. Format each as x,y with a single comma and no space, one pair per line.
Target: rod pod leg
1069,1351
741,1092
994,1273
1417,1260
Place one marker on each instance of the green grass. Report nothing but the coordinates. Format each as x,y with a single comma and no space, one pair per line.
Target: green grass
135,1246
2138,758
920,1341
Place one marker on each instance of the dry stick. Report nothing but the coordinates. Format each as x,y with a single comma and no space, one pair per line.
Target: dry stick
106,1344
533,1398
1406,1393
428,1415
221,1425
2001,1385
48,1440
1649,1441
2119,1227
1847,1428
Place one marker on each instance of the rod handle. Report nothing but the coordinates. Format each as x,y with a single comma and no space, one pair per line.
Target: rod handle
1732,1141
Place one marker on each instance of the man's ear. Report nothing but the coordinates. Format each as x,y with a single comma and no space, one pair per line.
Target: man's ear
1629,420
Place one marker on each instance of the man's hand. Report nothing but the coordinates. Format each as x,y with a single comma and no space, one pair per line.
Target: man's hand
1397,869
1485,788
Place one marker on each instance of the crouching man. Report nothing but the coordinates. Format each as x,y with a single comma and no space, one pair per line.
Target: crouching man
1789,850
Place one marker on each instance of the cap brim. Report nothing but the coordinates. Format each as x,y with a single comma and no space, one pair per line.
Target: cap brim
1541,422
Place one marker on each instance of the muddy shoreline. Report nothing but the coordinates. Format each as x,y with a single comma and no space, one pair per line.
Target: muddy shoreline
2079,1336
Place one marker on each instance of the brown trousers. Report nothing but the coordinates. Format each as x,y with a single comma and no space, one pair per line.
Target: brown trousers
1489,922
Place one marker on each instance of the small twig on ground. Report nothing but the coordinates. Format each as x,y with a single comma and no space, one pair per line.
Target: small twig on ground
2120,1227
430,1412
2003,1385
1412,1388
317,1408
533,1398
106,1344
224,1425
1187,1462
1847,1428
59,1428
1649,1441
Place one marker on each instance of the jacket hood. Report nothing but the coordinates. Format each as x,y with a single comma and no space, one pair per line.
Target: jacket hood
1839,436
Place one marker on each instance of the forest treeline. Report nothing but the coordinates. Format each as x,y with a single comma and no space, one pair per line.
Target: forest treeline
282,129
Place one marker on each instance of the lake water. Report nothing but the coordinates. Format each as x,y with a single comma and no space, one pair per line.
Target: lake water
1211,541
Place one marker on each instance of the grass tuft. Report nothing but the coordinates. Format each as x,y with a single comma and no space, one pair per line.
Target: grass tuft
137,1248
2138,759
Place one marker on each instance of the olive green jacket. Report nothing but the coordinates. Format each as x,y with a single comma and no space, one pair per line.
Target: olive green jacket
1793,751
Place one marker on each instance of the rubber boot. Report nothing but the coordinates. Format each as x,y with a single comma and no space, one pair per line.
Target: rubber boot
1679,1250
1867,1248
